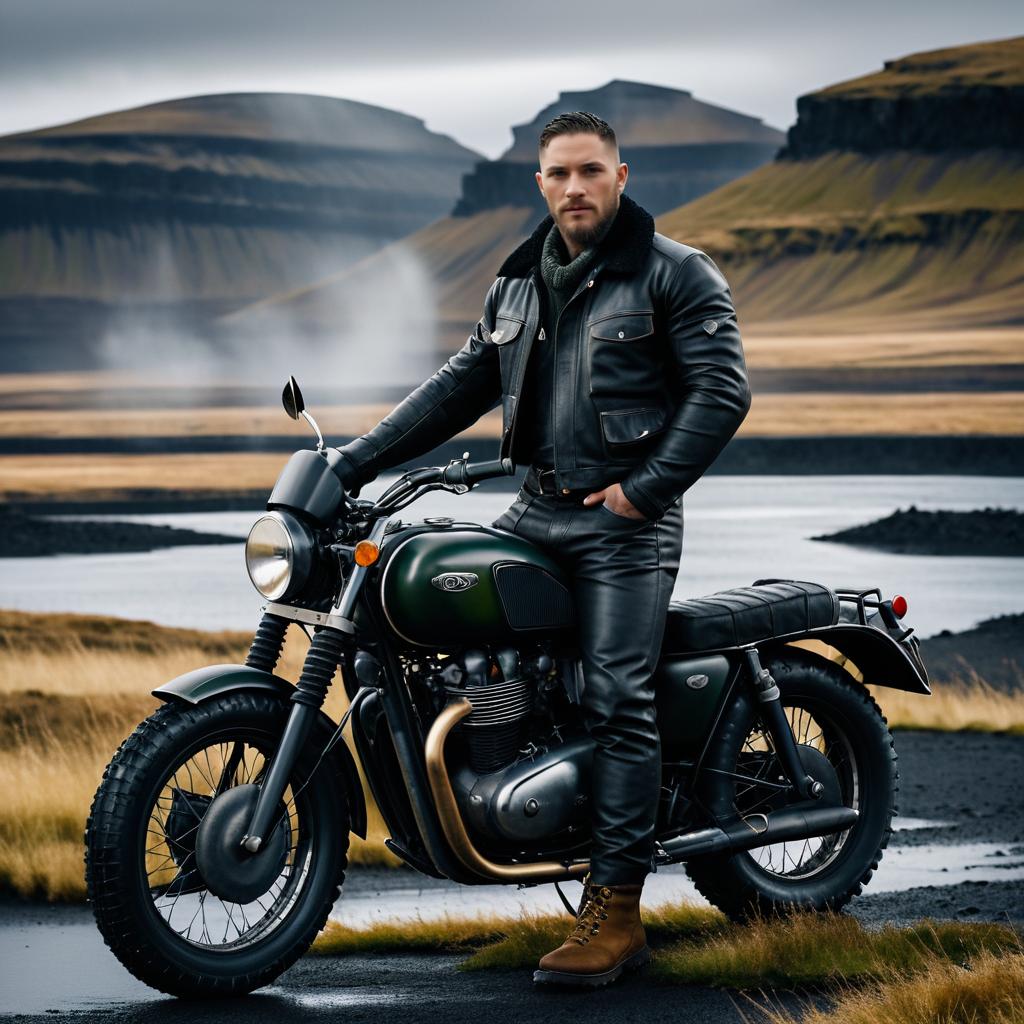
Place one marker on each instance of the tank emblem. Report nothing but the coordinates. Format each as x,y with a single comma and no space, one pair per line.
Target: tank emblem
697,682
455,581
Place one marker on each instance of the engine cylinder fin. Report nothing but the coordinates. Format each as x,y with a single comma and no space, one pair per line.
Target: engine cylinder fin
494,729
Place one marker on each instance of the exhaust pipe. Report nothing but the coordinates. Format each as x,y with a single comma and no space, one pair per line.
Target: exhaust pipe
454,828
757,830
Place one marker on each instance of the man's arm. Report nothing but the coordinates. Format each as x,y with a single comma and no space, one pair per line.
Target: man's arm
457,395
706,361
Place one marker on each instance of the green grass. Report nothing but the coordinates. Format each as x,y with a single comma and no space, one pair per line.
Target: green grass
695,945
823,949
501,942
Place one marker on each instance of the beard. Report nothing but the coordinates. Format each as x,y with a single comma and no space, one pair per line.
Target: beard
588,237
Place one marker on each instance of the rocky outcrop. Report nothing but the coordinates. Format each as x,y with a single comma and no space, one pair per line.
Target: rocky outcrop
677,148
956,99
661,177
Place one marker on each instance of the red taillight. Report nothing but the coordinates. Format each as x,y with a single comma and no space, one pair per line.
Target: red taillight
899,606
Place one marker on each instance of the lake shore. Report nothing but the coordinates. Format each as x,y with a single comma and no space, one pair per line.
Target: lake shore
225,474
995,532
29,536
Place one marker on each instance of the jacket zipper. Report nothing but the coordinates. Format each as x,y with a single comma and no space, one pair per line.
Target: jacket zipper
589,277
521,375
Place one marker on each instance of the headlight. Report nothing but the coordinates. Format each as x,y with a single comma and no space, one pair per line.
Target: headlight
279,555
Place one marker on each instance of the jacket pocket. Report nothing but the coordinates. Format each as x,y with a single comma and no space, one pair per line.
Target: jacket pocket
626,432
623,327
505,330
623,357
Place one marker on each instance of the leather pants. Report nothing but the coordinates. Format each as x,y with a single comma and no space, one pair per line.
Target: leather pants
622,572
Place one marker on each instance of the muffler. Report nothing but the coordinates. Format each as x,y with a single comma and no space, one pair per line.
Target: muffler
757,830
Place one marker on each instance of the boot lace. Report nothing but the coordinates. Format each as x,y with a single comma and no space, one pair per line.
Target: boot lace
592,913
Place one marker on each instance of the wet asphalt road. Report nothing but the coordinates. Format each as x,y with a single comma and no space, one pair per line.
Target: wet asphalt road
53,963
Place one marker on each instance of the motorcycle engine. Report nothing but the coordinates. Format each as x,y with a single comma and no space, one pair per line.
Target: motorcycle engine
520,760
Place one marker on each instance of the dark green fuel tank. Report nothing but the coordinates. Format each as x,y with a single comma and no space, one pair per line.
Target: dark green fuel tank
447,585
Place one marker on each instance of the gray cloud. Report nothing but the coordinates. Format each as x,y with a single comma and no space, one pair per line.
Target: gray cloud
469,69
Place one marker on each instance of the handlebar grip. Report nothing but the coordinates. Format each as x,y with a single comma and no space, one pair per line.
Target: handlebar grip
475,471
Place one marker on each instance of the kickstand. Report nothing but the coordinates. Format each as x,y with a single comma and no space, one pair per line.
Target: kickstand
561,895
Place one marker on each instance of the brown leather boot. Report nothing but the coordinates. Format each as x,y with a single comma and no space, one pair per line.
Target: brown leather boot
608,939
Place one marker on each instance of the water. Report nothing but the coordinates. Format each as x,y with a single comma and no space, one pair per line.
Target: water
738,529
90,978
901,868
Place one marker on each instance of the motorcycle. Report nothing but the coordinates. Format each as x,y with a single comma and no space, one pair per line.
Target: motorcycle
217,842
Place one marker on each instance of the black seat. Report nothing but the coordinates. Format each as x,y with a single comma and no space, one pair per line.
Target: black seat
746,615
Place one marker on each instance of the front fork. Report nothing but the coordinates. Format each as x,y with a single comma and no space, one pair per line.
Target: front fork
322,658
779,729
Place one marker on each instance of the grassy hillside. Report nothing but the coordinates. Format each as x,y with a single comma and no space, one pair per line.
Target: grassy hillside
898,202
851,241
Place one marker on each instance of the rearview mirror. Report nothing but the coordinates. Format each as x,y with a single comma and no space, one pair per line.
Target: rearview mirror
292,399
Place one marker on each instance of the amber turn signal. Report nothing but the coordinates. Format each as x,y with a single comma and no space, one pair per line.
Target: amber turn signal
366,552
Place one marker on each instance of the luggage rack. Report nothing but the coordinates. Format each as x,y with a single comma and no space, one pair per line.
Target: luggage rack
862,599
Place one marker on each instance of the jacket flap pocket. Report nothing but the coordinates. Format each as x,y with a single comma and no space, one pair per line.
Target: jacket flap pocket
623,426
624,328
505,330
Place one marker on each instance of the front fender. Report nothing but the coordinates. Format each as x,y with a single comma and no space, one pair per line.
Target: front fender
215,680
878,657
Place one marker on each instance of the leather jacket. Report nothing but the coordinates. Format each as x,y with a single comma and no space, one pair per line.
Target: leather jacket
650,377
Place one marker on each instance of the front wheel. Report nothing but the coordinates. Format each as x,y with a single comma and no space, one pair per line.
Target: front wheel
173,896
842,740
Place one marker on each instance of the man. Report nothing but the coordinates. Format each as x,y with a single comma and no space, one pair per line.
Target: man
616,356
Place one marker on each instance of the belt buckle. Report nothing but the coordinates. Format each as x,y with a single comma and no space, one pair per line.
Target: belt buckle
550,473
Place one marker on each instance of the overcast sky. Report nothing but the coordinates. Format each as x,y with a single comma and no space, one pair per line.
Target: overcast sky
469,68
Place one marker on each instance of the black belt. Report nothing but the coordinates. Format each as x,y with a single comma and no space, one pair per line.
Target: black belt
543,482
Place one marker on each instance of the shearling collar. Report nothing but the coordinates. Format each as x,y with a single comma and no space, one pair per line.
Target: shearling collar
623,250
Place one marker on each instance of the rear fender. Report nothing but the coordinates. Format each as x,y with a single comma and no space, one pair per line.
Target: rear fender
204,684
875,655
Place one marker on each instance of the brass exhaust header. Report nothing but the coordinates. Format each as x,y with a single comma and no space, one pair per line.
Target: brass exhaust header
451,819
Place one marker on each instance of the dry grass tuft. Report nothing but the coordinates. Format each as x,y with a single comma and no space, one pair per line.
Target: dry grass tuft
808,949
989,989
445,935
526,940
967,705
502,942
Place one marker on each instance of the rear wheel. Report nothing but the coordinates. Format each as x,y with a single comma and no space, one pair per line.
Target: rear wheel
844,741
175,899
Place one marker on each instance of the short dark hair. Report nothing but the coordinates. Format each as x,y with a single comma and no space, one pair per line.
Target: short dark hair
576,122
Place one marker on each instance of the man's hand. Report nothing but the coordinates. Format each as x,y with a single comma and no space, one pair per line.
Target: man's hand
613,497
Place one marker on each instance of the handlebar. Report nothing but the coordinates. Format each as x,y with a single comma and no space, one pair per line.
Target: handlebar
459,476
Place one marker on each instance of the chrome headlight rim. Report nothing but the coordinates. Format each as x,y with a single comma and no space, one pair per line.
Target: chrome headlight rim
285,570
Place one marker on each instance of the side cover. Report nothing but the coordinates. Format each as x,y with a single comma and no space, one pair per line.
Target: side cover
214,680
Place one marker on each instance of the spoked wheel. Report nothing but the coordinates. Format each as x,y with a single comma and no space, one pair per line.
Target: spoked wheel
176,897
843,742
